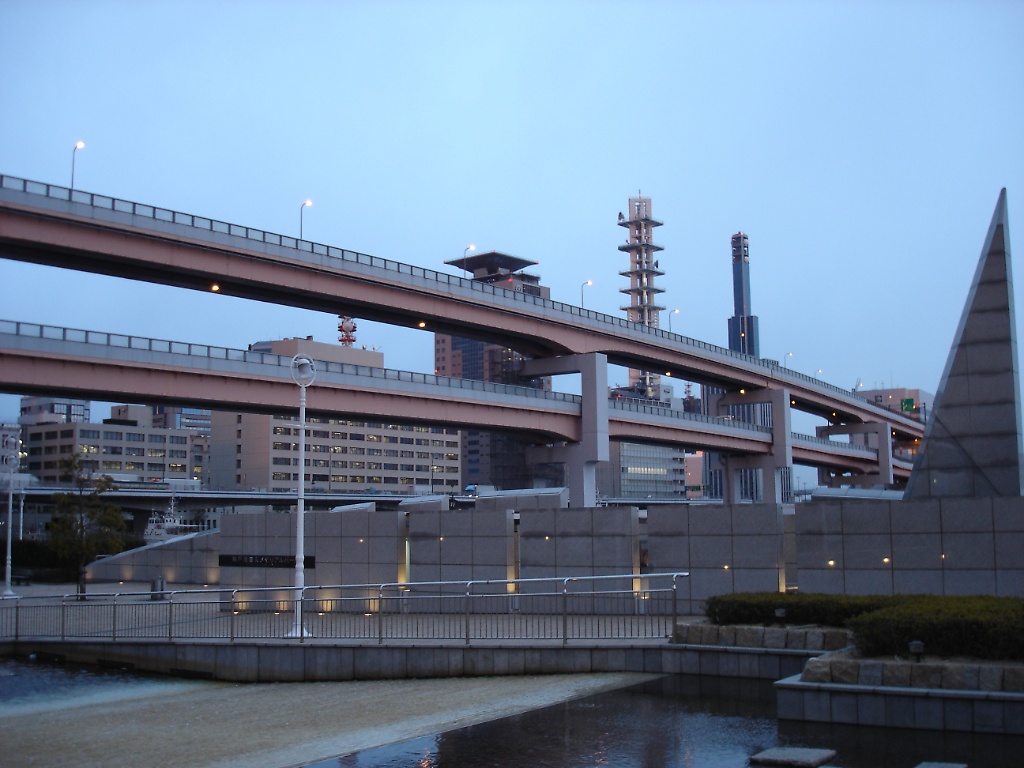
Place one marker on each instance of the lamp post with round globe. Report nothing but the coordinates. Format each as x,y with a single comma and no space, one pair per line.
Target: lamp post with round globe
303,373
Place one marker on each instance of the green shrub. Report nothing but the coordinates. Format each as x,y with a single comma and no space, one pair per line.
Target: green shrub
981,627
801,608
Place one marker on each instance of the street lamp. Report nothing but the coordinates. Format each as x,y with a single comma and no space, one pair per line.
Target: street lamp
785,360
78,145
469,248
303,373
589,282
673,312
10,457
302,210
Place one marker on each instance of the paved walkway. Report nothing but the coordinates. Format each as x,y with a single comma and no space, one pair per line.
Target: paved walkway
219,725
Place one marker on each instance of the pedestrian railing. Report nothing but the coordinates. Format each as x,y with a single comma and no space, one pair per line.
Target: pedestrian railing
624,607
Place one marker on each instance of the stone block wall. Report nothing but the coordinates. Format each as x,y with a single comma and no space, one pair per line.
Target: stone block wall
598,541
725,549
935,546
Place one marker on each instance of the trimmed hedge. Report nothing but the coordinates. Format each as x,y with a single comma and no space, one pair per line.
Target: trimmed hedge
981,627
801,608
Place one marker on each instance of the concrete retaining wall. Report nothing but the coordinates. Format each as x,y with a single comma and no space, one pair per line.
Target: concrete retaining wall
939,546
307,662
189,559
898,707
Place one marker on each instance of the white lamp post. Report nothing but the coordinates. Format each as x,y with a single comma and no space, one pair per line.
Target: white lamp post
9,459
78,145
673,312
589,282
785,360
303,374
469,248
302,210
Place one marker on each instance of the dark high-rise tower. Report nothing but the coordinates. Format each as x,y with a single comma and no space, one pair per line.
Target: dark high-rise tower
743,336
494,458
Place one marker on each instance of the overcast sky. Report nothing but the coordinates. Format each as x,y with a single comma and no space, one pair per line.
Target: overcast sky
861,146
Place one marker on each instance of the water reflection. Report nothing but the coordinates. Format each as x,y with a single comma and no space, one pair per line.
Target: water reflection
675,721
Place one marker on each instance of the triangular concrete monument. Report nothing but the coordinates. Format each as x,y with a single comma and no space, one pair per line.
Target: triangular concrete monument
972,444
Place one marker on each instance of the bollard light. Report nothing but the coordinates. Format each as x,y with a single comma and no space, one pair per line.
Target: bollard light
916,648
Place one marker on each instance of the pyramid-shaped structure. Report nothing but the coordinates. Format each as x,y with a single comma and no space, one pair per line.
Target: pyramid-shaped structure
973,444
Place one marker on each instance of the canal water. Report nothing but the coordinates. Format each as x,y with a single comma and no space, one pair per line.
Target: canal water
676,721
684,721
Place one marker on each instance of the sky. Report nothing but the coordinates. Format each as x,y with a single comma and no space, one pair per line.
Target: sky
860,145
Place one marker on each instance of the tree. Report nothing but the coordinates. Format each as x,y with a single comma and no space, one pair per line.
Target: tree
84,524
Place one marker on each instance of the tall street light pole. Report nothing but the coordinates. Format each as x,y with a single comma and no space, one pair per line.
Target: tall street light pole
78,145
303,373
468,250
673,312
302,210
589,282
10,458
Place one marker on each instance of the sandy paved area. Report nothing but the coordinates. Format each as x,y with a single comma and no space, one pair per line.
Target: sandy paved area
224,725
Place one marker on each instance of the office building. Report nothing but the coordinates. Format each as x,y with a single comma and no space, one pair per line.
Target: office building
260,451
53,410
125,446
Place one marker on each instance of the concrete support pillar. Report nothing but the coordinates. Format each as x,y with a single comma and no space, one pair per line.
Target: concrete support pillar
581,458
777,467
879,436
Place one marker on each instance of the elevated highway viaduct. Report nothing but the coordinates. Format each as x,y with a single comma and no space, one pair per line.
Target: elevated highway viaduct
51,225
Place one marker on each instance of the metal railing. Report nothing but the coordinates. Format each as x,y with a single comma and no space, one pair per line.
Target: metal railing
330,256
614,607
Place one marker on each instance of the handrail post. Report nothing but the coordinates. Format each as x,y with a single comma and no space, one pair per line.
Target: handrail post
113,619
231,621
675,603
63,618
565,611
170,617
469,587
298,610
17,619
380,616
